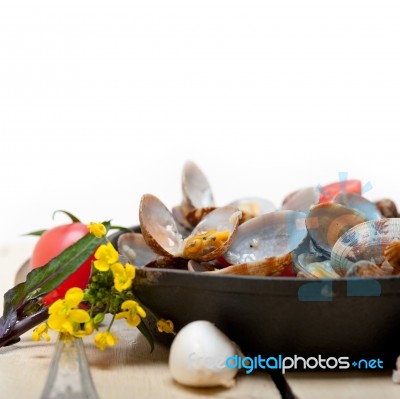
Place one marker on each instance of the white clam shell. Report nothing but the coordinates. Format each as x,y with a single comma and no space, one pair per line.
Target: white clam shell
366,208
254,205
221,219
366,241
134,248
159,227
196,190
270,235
263,245
327,222
301,200
161,233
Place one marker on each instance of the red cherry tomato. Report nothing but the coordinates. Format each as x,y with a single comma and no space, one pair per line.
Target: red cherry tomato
330,191
52,243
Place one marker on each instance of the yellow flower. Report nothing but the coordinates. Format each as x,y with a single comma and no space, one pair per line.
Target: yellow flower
65,316
40,332
102,339
165,326
97,229
123,276
132,312
89,327
106,255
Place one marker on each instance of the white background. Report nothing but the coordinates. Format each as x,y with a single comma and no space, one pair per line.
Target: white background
101,102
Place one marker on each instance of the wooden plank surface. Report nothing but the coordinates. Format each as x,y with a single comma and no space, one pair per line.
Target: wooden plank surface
129,368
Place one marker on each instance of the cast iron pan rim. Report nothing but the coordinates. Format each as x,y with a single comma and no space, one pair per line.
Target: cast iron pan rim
257,285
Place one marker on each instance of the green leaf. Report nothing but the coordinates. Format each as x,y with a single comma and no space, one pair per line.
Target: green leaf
73,218
35,233
142,327
44,279
127,229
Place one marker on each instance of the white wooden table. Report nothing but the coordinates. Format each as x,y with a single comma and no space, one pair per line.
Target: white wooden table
129,370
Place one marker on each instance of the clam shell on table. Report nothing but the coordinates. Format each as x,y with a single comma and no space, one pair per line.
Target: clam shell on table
366,241
327,222
264,245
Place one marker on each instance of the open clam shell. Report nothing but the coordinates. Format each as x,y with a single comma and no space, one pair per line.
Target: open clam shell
212,237
264,245
209,239
135,249
301,200
253,206
364,268
313,265
158,226
354,201
196,190
327,222
392,254
366,241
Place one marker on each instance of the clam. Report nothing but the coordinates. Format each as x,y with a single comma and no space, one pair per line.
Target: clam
365,268
253,206
319,270
209,239
392,254
264,245
366,241
327,222
301,200
354,201
198,199
313,265
179,215
388,208
196,190
134,248
194,266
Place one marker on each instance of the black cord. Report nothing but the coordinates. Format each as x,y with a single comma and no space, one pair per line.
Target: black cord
282,385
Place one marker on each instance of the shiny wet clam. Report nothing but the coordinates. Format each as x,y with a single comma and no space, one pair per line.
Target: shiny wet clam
209,239
354,201
326,223
366,241
301,200
264,245
250,237
135,249
313,265
253,206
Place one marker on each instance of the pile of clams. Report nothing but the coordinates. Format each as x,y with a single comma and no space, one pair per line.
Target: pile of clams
324,232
